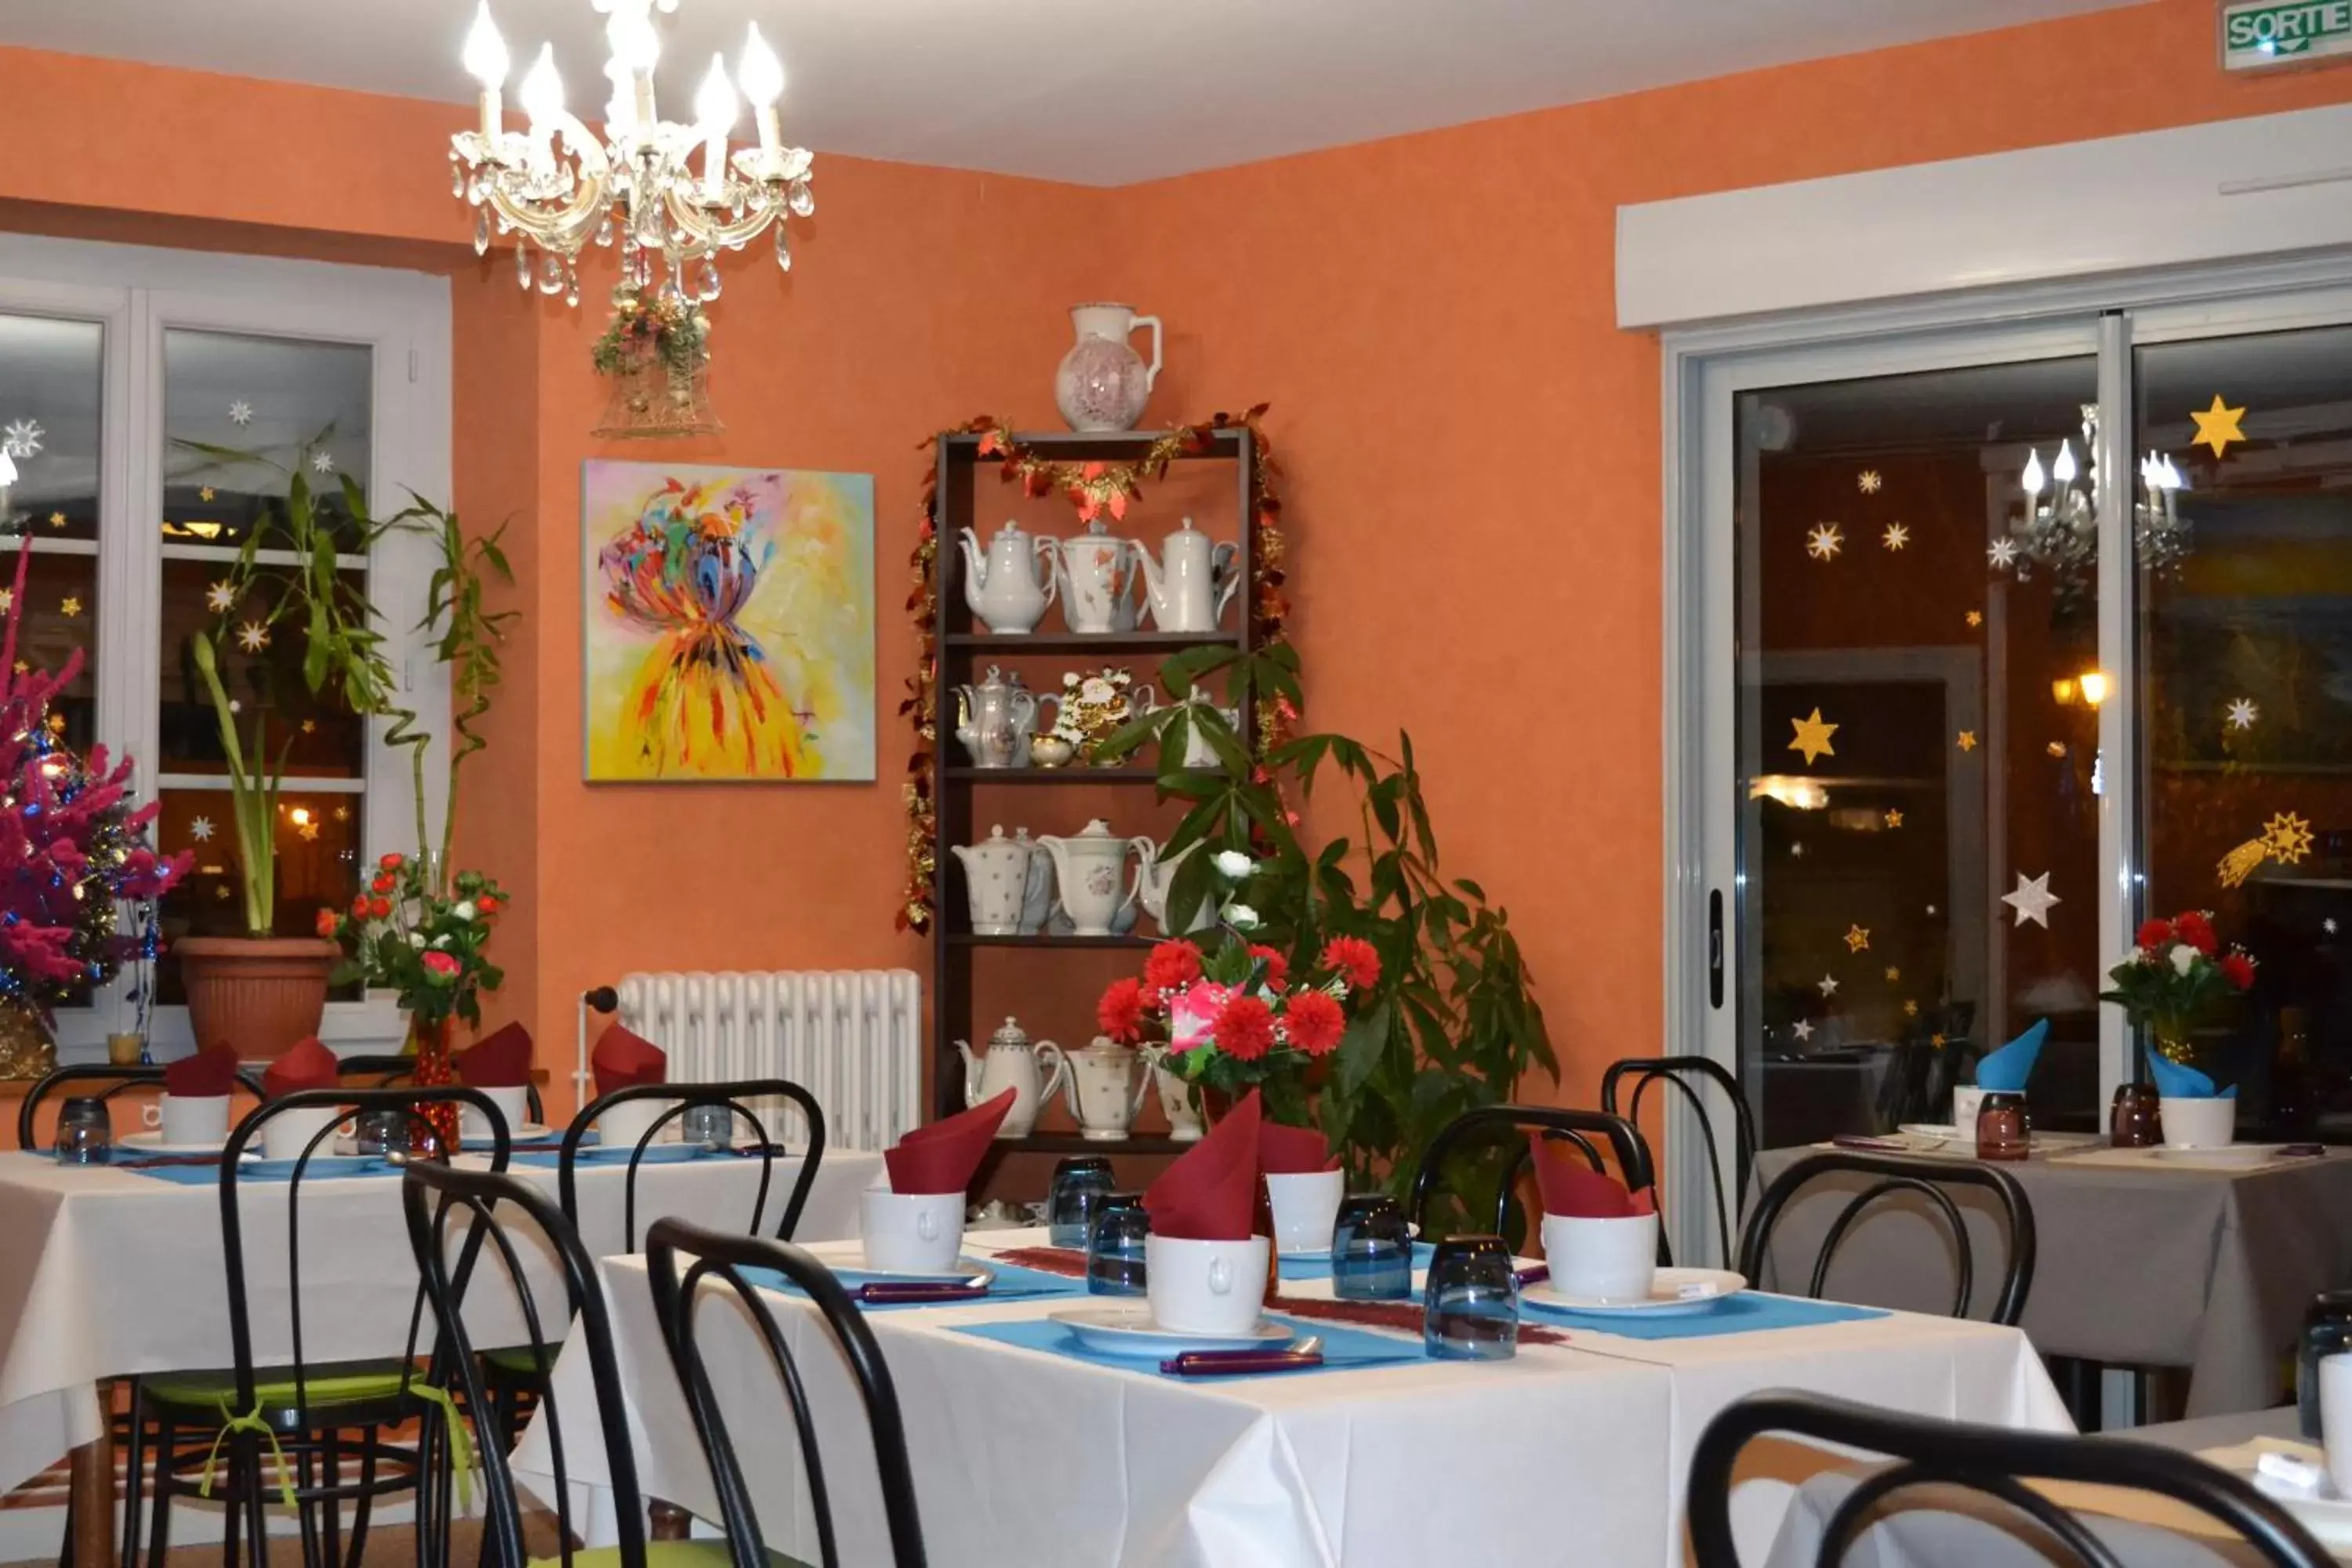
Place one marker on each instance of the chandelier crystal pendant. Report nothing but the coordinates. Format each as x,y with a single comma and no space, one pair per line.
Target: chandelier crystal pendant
2060,530
669,193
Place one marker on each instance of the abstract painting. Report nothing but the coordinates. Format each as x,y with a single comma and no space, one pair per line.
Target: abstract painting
729,624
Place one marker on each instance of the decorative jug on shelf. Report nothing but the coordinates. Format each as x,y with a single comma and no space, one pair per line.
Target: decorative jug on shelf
1153,883
1102,382
1096,575
1194,579
1011,1062
1090,868
994,718
1185,1124
1104,1088
1198,752
1009,586
996,873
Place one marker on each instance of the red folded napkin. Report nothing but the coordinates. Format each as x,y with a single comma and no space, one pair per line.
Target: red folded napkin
942,1157
624,1059
1293,1151
207,1075
500,1060
1574,1190
1210,1193
308,1065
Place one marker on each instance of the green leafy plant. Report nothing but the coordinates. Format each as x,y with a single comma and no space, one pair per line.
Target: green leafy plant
1451,1024
424,942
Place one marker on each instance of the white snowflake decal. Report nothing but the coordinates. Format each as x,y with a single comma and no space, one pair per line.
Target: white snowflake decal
2242,713
2002,553
1895,537
253,636
200,830
240,412
221,597
1867,481
22,438
2329,925
1824,541
324,462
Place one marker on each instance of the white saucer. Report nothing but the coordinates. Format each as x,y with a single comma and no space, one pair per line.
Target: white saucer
152,1143
1674,1292
1129,1332
966,1268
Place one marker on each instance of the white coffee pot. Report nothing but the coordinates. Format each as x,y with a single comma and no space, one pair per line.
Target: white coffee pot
1091,868
1096,577
1105,1087
996,873
1009,585
1156,879
1194,579
1011,1062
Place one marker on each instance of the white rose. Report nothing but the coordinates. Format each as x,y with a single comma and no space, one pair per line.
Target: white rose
2136,955
464,910
416,939
2184,958
1232,863
1241,917
440,942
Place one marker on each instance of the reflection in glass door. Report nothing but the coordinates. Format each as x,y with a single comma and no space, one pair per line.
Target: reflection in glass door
1917,741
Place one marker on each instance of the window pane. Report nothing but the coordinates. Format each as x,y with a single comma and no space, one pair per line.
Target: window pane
317,841
320,735
285,405
50,396
1908,753
2247,722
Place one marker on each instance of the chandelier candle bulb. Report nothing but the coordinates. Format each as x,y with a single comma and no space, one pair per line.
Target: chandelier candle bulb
2031,480
484,60
715,110
2063,470
761,77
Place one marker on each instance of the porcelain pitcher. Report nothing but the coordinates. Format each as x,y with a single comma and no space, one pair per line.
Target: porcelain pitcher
994,718
1096,577
1009,585
1104,1088
1011,1062
1194,579
1102,382
1156,879
996,873
1090,868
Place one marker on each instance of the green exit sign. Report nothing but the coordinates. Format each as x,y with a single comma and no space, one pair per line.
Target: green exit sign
2257,34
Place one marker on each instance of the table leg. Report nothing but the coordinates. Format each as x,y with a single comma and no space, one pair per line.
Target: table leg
92,1479
666,1521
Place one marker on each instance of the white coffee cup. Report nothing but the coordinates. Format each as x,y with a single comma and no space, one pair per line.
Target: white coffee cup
2336,1418
1305,1207
1204,1287
911,1233
514,1104
1967,1101
1601,1259
2208,1122
194,1118
286,1135
620,1126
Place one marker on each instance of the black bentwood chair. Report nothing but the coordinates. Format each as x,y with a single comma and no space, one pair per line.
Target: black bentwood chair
1475,1132
303,1420
1677,1072
685,1096
65,1080
1991,1461
398,1069
1895,1178
716,1255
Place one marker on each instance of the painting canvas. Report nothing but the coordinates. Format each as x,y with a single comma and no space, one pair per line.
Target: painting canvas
728,617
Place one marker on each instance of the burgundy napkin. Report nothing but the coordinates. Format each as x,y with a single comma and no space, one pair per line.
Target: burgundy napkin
500,1059
309,1064
623,1059
942,1157
207,1075
1293,1151
1210,1193
1574,1190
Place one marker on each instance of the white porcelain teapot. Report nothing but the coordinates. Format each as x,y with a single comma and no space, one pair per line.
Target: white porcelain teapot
994,718
1010,586
1194,579
1104,1088
1096,577
1011,1062
996,877
1091,868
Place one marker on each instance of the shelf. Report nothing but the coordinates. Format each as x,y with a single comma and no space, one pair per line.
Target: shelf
969,939
1072,1143
1086,642
1111,445
1070,776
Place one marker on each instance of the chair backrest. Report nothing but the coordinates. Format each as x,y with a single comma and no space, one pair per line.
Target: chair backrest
116,1079
1677,1072
436,1195
353,1101
1992,1460
1493,1124
714,1252
388,1070
1894,1177
684,1096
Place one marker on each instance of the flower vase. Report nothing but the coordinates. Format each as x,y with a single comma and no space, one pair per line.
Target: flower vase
428,1042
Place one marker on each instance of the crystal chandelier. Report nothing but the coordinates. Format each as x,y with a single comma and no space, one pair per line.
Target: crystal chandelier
2059,531
558,187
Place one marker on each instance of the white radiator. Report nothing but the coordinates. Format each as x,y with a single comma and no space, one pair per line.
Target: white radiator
851,1037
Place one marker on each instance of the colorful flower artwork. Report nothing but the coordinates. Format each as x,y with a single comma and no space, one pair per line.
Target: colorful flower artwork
729,624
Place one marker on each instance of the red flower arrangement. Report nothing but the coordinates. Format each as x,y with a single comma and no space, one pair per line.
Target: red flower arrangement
2175,975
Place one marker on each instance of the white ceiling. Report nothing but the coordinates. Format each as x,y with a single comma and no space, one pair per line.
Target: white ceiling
1098,91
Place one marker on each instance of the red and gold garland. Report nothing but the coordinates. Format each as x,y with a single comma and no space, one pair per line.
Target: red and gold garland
1094,488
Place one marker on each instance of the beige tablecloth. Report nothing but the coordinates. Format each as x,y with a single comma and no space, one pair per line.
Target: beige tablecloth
2141,1263
105,1272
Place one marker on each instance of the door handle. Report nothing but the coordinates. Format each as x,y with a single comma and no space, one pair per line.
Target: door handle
1714,948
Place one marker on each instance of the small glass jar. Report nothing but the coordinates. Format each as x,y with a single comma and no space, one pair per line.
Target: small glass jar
2001,1128
707,1126
1470,1306
85,1133
1115,1249
1080,1184
2326,1332
2135,1121
381,1133
1371,1250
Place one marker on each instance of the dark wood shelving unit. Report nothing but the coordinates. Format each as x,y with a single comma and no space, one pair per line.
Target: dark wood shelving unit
964,648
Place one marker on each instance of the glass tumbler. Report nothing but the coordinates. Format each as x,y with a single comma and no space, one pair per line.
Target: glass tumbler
1114,1247
2135,1122
1080,1184
1371,1250
85,1133
2001,1128
709,1126
1470,1306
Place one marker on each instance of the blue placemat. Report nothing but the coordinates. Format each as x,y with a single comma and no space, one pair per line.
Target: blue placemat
1012,1283
1748,1312
1343,1347
1319,1266
656,1154
260,1171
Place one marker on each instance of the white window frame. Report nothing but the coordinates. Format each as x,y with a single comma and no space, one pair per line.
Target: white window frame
135,294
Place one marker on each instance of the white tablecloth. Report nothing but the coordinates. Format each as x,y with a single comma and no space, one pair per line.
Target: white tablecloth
1577,1450
105,1272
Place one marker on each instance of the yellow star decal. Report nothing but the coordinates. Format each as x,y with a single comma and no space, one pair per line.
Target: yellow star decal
1893,974
1824,541
221,597
70,607
1856,939
1813,737
1976,617
1937,1041
1867,481
2289,837
205,493
7,600
2057,748
57,520
57,723
1895,537
253,636
1893,819
2216,427
1910,1009
1967,741
309,726
24,668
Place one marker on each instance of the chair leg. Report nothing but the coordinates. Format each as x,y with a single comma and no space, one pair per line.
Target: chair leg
165,1453
232,1503
366,1503
256,1544
134,1476
306,1508
65,1547
331,1464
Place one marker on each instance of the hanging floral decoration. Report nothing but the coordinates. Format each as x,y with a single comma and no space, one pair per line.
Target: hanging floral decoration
1095,489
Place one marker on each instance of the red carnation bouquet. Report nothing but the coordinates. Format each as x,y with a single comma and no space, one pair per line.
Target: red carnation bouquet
1232,1017
2176,974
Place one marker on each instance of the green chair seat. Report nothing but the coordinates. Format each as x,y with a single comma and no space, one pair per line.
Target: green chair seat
518,1361
339,1386
707,1553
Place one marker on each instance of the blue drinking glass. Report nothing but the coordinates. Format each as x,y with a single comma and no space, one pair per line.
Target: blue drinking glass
1470,1308
1080,1184
85,1134
1371,1250
1115,1250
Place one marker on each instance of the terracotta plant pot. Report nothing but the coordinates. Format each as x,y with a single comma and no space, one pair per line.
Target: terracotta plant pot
260,995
